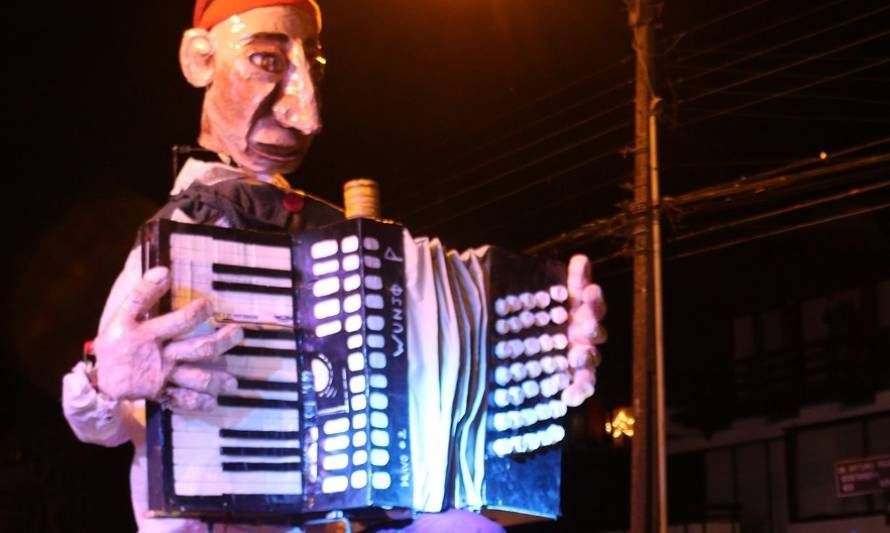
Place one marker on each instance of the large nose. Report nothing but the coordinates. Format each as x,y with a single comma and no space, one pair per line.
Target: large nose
297,107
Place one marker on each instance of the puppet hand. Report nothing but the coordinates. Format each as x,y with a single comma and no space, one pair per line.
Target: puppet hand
585,332
133,361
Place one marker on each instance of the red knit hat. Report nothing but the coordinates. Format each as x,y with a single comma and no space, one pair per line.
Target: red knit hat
209,13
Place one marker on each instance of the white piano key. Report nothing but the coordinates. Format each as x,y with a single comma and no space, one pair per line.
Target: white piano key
326,287
546,342
353,323
350,263
358,402
377,360
349,244
260,443
352,282
215,482
532,346
355,361
375,283
559,315
337,461
379,420
359,457
352,303
261,394
379,401
359,439
326,308
376,322
559,293
242,418
332,484
275,344
322,249
357,384
374,301
381,480
371,244
262,368
328,328
380,438
379,457
518,371
542,299
378,381
335,444
502,375
336,425
560,341
323,268
372,261
253,280
376,340
359,421
359,479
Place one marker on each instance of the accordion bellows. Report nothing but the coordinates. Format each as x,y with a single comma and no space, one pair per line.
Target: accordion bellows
378,371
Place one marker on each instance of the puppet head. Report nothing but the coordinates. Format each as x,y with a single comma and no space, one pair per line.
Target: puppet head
260,63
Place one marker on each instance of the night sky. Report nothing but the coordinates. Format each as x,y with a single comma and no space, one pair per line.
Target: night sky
504,121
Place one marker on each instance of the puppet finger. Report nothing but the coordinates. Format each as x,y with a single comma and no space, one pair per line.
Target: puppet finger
578,277
154,284
592,296
205,347
179,322
179,399
201,379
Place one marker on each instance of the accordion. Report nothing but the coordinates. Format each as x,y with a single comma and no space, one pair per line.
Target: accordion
377,372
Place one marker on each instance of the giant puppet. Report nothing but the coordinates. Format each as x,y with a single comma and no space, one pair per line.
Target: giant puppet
260,64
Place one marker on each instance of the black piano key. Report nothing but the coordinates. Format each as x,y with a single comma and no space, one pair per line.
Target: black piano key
235,401
222,268
258,434
259,452
249,287
261,467
261,352
257,384
269,334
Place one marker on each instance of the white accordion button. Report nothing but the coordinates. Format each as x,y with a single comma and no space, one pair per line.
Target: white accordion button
377,360
542,299
328,328
372,261
560,341
359,439
381,480
528,300
559,315
558,408
353,323
332,484
358,402
325,267
513,303
350,263
500,307
559,293
561,362
517,347
376,341
379,457
517,371
337,461
354,342
374,301
349,244
515,324
529,417
549,387
542,318
359,479
326,287
379,420
546,342
379,401
534,369
502,447
532,346
323,249
501,327
562,380
334,444
515,395
543,411
372,244
548,364
375,322
357,384
532,441
500,422
359,421
378,381
326,308
375,283
352,303
359,457
531,388
380,438
527,318
556,433
518,445
351,283
501,375
515,418
337,425
502,350
499,397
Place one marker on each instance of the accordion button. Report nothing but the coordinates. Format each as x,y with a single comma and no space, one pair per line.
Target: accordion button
375,283
337,425
323,249
562,380
502,375
372,261
543,411
501,327
513,303
532,441
358,402
333,484
381,480
349,244
547,364
353,323
518,371
501,447
515,324
559,315
334,444
359,439
532,346
359,421
355,361
559,293
376,322
380,438
379,420
515,395
354,342
352,282
352,303
529,417
337,461
502,350
325,267
500,422
561,362
542,318
515,419
379,401
557,433
376,341
357,384
558,408
350,263
374,301
519,446
548,387
546,342
499,397
534,369
527,300
542,299
326,287
517,347
379,457
326,308
560,341
371,243
377,360
378,381
531,388
359,457
527,318
328,328
500,307
359,479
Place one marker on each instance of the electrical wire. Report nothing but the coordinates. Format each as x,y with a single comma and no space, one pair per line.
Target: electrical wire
806,118
828,97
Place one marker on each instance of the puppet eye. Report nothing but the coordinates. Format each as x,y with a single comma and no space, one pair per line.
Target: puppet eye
268,61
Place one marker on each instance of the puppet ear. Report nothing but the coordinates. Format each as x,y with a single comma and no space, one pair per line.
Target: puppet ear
196,57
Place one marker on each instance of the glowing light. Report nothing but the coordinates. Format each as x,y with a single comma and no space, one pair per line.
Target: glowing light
621,425
823,156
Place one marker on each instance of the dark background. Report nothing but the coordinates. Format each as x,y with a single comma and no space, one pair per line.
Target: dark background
485,121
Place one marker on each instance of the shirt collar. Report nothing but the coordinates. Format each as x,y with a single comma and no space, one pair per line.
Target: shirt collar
211,173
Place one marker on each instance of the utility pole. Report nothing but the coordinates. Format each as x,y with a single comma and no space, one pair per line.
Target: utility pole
648,498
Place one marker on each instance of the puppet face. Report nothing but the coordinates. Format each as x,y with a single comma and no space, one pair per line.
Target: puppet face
260,69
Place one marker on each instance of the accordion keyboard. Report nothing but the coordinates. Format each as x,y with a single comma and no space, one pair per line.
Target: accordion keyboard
530,371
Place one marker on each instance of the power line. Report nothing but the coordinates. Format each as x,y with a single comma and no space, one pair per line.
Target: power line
829,97
806,118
